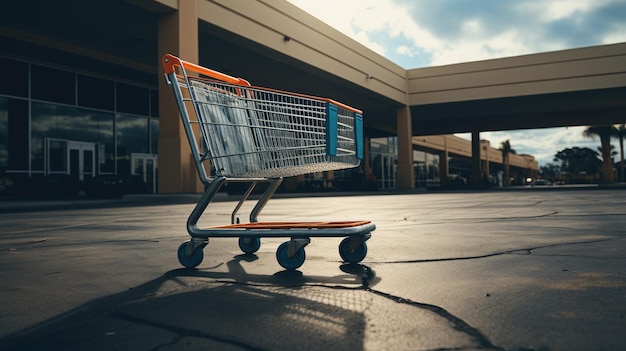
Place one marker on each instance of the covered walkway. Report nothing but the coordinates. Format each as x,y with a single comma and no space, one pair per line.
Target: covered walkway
273,43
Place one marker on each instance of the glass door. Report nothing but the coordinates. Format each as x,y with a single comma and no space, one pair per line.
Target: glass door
384,168
82,159
145,166
74,158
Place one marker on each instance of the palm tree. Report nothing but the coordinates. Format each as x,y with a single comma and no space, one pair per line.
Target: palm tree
621,134
505,147
604,132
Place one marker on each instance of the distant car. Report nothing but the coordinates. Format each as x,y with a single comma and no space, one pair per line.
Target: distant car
542,182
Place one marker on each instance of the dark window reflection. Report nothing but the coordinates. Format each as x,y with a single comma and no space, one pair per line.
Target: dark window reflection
57,156
14,78
4,133
68,106
154,136
54,85
132,99
96,93
132,137
14,134
154,103
68,123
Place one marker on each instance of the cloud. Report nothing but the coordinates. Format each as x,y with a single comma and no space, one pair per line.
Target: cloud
559,9
420,33
365,40
543,144
405,50
451,31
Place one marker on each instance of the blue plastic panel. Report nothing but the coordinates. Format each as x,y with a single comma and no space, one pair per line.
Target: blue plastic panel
358,135
331,129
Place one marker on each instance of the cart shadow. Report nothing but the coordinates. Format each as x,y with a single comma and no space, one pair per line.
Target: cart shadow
356,275
205,309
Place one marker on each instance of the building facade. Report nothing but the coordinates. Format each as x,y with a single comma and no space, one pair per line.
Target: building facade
84,106
63,131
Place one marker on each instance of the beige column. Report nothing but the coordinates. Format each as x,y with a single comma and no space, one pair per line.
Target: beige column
485,146
405,179
178,35
444,167
366,162
330,179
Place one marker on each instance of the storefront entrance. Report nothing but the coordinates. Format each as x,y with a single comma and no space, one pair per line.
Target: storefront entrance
384,168
74,158
145,166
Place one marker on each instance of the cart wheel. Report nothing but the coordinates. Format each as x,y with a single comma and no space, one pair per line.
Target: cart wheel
249,245
352,256
190,261
289,262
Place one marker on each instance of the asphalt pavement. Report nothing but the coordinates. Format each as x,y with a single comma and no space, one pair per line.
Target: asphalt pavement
496,270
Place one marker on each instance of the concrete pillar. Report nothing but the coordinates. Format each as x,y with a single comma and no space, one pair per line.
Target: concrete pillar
476,171
405,178
366,162
178,35
444,167
330,179
485,146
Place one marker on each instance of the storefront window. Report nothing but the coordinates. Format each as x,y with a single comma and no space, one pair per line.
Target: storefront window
96,93
383,159
4,133
14,80
154,103
14,126
154,136
56,122
69,123
132,137
53,85
132,99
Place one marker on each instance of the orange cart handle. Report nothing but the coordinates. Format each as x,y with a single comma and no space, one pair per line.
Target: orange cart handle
337,103
170,61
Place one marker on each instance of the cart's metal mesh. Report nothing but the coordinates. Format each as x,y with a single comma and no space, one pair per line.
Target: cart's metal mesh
251,132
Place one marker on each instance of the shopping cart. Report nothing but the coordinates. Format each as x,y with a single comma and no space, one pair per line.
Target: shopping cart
241,133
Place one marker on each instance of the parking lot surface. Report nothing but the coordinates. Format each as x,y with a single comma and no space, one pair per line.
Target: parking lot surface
502,270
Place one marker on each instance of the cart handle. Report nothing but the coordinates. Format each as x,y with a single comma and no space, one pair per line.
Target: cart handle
331,101
169,62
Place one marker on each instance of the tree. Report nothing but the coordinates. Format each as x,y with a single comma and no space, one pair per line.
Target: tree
550,171
605,133
576,160
505,147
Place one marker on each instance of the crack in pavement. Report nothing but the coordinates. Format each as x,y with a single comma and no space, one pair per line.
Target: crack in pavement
15,246
458,324
482,341
179,332
478,205
473,219
524,251
368,279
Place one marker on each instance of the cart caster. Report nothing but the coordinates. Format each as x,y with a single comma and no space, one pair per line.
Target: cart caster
249,245
353,249
291,255
190,256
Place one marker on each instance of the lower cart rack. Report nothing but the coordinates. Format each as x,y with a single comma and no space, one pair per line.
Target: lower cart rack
290,254
241,133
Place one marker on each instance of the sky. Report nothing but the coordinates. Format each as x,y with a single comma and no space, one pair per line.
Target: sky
425,33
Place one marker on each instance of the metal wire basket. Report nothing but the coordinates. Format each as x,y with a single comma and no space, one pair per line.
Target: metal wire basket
250,132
